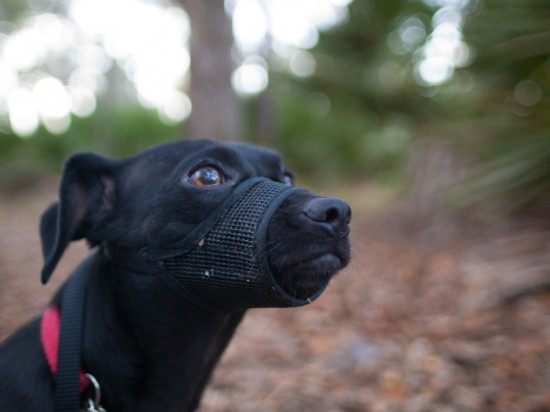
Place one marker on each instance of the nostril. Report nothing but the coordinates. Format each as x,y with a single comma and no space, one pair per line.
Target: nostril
332,214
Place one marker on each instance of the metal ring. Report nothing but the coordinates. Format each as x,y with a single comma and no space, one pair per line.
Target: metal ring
97,389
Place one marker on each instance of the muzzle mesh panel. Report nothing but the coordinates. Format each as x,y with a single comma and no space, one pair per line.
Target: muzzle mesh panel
228,267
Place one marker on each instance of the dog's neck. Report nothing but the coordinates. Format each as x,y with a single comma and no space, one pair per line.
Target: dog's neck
148,348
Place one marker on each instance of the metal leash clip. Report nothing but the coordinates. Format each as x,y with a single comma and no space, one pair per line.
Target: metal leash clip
93,405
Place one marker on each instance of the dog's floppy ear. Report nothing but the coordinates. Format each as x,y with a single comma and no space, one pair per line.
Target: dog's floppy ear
87,186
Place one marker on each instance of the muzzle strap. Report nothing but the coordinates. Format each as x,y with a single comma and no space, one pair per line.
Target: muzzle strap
227,265
135,261
223,264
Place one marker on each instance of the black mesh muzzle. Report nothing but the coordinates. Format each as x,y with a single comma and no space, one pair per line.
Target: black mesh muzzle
223,263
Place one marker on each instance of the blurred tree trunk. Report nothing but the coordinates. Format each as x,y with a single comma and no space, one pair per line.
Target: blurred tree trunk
266,122
215,108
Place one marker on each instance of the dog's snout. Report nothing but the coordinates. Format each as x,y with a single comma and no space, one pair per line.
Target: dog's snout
334,213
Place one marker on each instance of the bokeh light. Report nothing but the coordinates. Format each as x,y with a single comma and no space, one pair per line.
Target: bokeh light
53,104
250,77
54,66
23,114
437,54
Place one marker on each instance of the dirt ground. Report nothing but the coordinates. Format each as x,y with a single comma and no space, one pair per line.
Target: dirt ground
432,315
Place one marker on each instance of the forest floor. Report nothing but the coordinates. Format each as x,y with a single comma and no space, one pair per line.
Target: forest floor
433,314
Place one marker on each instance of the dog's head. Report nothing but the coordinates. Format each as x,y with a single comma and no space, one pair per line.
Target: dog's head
169,210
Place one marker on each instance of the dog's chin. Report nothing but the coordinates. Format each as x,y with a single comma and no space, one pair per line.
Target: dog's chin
306,279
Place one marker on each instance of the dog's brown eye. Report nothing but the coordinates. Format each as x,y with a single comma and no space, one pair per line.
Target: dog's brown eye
207,176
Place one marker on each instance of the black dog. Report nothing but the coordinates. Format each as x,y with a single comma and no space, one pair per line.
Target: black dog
153,331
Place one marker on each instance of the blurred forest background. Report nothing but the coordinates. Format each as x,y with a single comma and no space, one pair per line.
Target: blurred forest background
431,117
345,91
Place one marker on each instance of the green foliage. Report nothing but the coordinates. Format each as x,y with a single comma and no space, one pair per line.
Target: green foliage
357,116
115,133
512,107
332,137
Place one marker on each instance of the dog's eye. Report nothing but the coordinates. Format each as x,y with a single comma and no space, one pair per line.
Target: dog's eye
207,176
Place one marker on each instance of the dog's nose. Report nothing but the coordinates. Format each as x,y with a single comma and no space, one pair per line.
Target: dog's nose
332,212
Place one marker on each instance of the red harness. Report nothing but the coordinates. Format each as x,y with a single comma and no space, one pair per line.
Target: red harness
49,333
